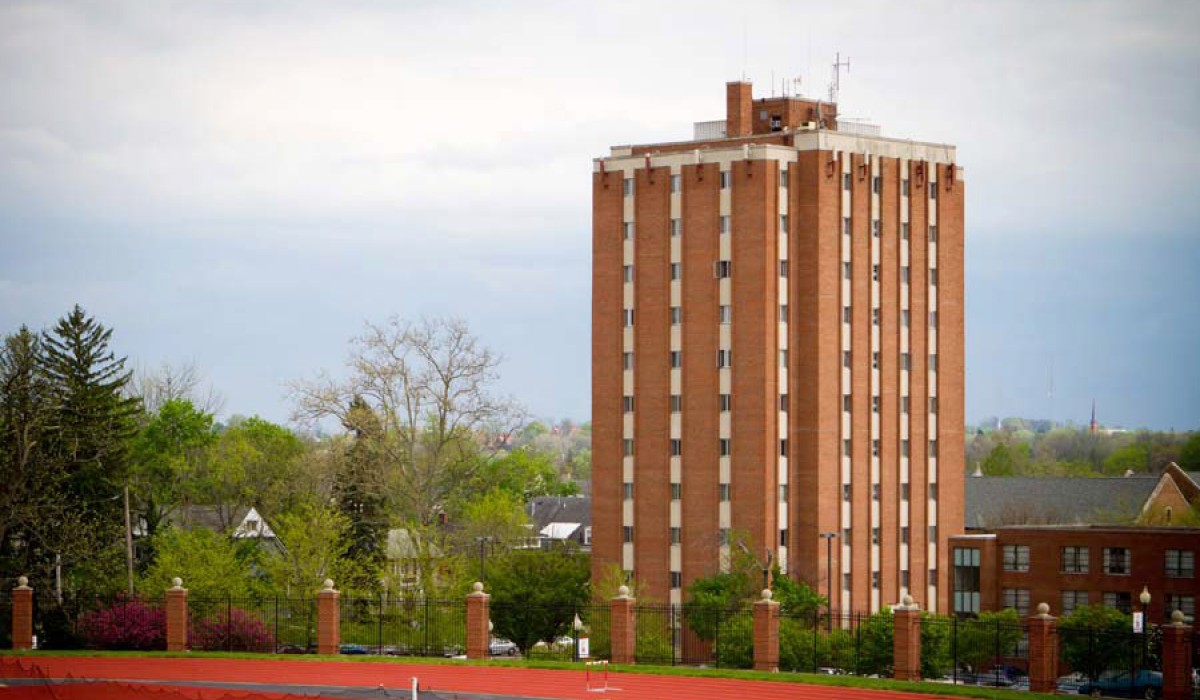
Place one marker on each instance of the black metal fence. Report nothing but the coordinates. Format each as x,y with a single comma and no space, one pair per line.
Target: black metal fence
991,651
402,627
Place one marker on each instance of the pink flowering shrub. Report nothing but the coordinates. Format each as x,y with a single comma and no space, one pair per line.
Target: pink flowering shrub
240,632
125,624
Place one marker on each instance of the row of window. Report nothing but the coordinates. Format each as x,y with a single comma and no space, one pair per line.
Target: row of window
877,185
877,229
905,317
724,311
1116,561
877,576
1018,599
724,225
905,361
905,403
931,491
847,446
726,177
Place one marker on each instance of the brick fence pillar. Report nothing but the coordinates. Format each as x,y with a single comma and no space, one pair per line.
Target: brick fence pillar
1177,659
1043,651
479,623
906,641
329,620
22,615
766,633
623,627
177,616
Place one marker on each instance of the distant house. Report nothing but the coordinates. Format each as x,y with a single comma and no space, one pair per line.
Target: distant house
558,519
405,559
999,501
239,522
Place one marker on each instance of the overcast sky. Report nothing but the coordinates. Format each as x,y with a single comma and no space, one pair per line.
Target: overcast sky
240,185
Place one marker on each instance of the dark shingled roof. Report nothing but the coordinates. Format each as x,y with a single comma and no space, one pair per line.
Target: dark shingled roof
544,510
993,501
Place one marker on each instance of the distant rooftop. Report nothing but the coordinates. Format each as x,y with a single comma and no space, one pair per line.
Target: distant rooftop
994,501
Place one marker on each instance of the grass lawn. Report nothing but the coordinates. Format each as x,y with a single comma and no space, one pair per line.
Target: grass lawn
929,688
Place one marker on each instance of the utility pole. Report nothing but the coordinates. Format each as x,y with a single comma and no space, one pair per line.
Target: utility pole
128,541
483,557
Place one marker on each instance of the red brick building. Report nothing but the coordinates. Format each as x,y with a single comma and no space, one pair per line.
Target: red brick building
1070,566
777,341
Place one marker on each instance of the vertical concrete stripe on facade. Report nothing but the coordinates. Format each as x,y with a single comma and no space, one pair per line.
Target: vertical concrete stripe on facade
607,213
652,373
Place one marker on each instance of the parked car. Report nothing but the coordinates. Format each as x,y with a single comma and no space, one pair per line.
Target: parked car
1119,684
1070,684
502,647
352,649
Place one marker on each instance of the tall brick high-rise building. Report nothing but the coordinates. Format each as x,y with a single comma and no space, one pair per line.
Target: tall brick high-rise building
777,350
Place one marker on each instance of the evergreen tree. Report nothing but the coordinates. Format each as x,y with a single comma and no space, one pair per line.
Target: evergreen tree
93,427
29,482
359,491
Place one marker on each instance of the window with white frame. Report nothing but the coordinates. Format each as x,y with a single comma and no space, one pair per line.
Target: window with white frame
1075,560
1117,561
1180,563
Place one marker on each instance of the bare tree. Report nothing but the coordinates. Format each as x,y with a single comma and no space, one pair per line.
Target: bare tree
170,382
429,385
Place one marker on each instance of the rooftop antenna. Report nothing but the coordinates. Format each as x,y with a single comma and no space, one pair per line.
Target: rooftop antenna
836,85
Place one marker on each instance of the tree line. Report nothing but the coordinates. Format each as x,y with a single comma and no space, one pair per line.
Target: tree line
412,436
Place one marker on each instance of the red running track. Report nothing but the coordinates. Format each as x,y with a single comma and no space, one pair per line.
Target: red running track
561,685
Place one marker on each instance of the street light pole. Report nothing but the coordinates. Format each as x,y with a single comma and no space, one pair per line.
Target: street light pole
482,540
828,537
1145,599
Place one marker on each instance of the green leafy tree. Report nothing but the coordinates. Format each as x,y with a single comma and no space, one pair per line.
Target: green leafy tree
1189,454
1130,458
536,594
796,598
1007,460
525,473
165,450
1093,638
211,565
315,540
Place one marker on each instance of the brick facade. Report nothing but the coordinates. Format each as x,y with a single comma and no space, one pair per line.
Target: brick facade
1043,652
1047,578
906,643
1177,661
772,442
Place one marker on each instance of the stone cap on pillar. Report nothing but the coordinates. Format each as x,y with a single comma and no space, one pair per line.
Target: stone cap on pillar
327,587
1178,619
477,590
177,584
907,604
623,593
23,583
1043,612
766,598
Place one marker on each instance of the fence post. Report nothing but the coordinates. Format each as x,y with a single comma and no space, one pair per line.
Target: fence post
478,623
177,616
22,615
329,620
1177,658
1043,651
766,633
906,641
623,628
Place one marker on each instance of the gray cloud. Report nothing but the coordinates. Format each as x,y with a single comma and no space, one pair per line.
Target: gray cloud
244,182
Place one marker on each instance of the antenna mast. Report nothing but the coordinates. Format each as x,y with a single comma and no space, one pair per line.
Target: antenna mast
836,85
